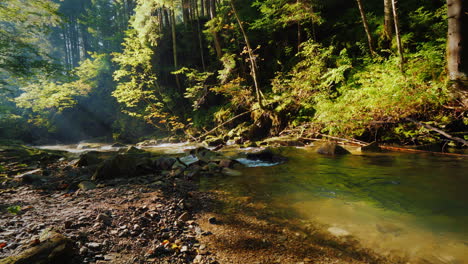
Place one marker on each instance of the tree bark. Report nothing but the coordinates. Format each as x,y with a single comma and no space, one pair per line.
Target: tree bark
174,45
388,20
253,64
200,38
366,26
457,52
397,34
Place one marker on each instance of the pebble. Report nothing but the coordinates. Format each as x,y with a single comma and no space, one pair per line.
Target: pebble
104,218
93,245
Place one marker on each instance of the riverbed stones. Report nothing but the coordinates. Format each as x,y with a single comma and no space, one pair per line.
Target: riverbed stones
332,149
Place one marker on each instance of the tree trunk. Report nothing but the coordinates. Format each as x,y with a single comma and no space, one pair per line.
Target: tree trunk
366,26
397,34
253,64
457,52
212,8
200,38
388,20
174,45
202,8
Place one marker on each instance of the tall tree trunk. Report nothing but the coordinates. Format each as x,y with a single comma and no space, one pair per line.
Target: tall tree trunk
212,8
457,50
397,34
174,46
253,64
200,38
202,8
366,26
388,20
314,35
298,32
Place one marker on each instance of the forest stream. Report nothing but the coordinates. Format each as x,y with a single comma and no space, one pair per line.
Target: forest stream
369,207
411,205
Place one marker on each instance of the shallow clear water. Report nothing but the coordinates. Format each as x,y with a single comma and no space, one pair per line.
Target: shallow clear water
414,205
410,204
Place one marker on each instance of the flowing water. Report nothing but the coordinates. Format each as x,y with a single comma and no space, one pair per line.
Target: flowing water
413,205
408,204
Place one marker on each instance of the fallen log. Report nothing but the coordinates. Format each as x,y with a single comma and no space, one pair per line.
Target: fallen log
435,129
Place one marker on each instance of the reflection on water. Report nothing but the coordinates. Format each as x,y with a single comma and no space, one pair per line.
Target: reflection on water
413,205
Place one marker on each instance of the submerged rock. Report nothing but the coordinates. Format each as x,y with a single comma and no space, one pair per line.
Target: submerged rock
332,149
230,172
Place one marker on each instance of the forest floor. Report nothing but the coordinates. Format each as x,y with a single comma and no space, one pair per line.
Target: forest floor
153,218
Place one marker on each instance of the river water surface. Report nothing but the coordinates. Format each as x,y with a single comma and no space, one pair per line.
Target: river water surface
413,205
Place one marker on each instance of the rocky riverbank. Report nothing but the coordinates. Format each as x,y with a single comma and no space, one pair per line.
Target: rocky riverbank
97,213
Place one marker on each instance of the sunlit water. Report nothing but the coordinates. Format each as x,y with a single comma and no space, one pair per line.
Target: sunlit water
413,205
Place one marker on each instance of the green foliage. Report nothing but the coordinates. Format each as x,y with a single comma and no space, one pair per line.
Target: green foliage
380,93
44,95
24,25
16,209
197,89
278,14
318,74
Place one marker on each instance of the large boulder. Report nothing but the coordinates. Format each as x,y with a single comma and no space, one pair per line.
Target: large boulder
332,149
123,166
89,159
266,155
205,154
53,248
164,163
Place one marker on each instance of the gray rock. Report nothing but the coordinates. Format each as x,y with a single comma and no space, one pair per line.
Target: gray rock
332,149
93,245
86,185
372,147
266,155
104,218
164,163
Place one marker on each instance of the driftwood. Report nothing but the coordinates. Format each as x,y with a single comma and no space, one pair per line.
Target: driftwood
421,151
443,133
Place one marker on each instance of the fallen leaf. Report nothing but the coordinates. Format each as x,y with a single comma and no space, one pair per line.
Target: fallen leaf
2,245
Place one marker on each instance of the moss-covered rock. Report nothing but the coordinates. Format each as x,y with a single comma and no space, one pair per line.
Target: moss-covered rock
53,248
332,149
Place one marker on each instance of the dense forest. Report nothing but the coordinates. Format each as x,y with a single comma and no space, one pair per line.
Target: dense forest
240,69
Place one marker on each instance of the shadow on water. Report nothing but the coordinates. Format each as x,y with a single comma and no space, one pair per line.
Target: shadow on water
394,201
